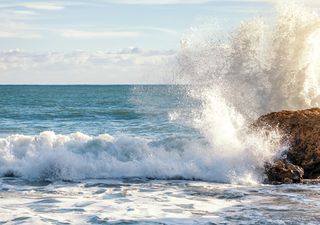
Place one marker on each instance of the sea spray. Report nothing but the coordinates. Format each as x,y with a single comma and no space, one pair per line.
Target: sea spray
240,151
261,67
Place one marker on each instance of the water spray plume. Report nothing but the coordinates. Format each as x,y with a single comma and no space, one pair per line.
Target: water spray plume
261,67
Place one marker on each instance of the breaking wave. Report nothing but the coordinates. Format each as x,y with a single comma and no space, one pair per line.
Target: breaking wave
50,156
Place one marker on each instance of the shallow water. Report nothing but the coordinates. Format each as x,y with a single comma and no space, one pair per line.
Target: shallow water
140,201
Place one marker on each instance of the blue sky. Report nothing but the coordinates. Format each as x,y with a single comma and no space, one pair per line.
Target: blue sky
112,25
123,40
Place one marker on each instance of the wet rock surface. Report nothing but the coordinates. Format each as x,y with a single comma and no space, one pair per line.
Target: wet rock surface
284,172
301,132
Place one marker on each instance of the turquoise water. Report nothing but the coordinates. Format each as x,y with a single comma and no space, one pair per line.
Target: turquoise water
133,110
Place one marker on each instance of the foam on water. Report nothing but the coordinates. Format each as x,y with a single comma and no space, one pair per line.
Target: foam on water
49,156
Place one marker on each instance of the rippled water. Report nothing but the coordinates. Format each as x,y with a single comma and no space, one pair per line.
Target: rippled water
112,109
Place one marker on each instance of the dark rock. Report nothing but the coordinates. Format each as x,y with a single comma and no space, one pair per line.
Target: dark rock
301,131
283,172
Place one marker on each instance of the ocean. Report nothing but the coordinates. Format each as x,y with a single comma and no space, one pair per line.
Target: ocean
167,154
131,154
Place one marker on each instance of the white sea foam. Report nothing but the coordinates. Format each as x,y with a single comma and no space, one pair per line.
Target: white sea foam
49,156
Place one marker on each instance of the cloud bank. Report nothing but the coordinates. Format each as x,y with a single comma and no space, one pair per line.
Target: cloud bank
42,6
78,34
80,67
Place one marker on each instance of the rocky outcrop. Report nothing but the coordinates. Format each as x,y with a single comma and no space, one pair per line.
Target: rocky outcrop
281,171
301,131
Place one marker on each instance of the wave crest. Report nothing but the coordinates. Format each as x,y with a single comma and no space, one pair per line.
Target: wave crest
50,156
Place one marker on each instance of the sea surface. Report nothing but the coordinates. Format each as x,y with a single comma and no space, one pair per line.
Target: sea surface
132,155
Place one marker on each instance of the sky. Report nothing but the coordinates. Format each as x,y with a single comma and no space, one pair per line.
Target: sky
107,41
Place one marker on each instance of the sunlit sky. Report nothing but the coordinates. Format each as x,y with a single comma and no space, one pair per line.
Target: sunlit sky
106,41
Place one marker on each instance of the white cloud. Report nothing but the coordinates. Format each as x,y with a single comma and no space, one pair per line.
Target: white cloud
14,24
19,34
126,66
158,29
157,2
22,13
312,3
98,34
42,6
174,2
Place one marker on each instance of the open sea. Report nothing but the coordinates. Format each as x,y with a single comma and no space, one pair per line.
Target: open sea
132,155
